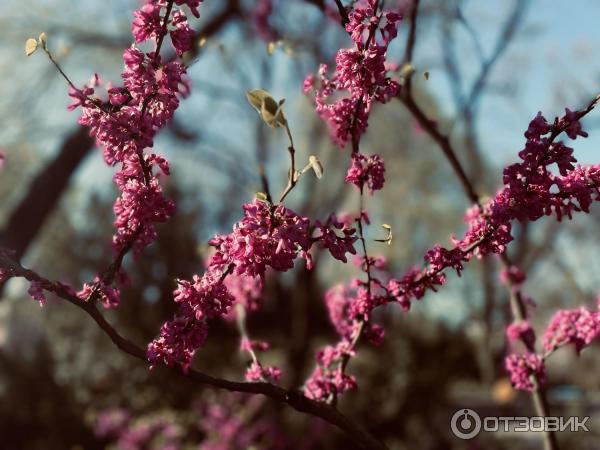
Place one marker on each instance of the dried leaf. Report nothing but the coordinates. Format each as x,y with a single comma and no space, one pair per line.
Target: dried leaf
388,239
269,110
30,46
255,98
43,40
316,165
407,70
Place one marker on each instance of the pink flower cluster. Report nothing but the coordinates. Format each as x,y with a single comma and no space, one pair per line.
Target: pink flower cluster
257,371
350,313
260,372
108,295
522,367
579,327
268,236
221,421
416,281
118,425
125,124
360,76
237,421
36,291
246,290
521,331
260,16
531,191
337,245
366,170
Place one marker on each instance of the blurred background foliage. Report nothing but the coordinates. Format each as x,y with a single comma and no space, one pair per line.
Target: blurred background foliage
491,67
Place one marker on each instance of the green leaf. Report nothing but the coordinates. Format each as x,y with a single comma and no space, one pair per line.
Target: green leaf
261,196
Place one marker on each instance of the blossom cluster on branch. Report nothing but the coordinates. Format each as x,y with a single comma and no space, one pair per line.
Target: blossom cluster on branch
267,237
126,121
344,100
578,327
215,422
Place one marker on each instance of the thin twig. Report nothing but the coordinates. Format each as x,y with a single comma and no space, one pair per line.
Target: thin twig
164,29
293,175
344,19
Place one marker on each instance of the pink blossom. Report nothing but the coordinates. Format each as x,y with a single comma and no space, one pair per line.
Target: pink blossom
265,237
327,380
249,345
415,283
512,276
126,124
182,35
193,5
108,295
246,290
309,83
111,422
579,327
573,126
207,295
36,291
367,170
337,245
440,258
521,330
349,310
522,367
147,22
258,372
178,339
360,76
268,236
4,275
260,16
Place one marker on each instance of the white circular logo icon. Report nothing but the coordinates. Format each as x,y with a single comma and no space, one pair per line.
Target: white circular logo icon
465,424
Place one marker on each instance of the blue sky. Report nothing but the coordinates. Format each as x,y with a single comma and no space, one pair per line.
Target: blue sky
554,64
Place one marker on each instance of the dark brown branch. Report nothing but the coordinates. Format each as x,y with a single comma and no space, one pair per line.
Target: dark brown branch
164,29
412,34
344,19
443,142
293,398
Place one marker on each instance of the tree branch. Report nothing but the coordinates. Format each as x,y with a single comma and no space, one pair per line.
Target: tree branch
518,306
291,397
